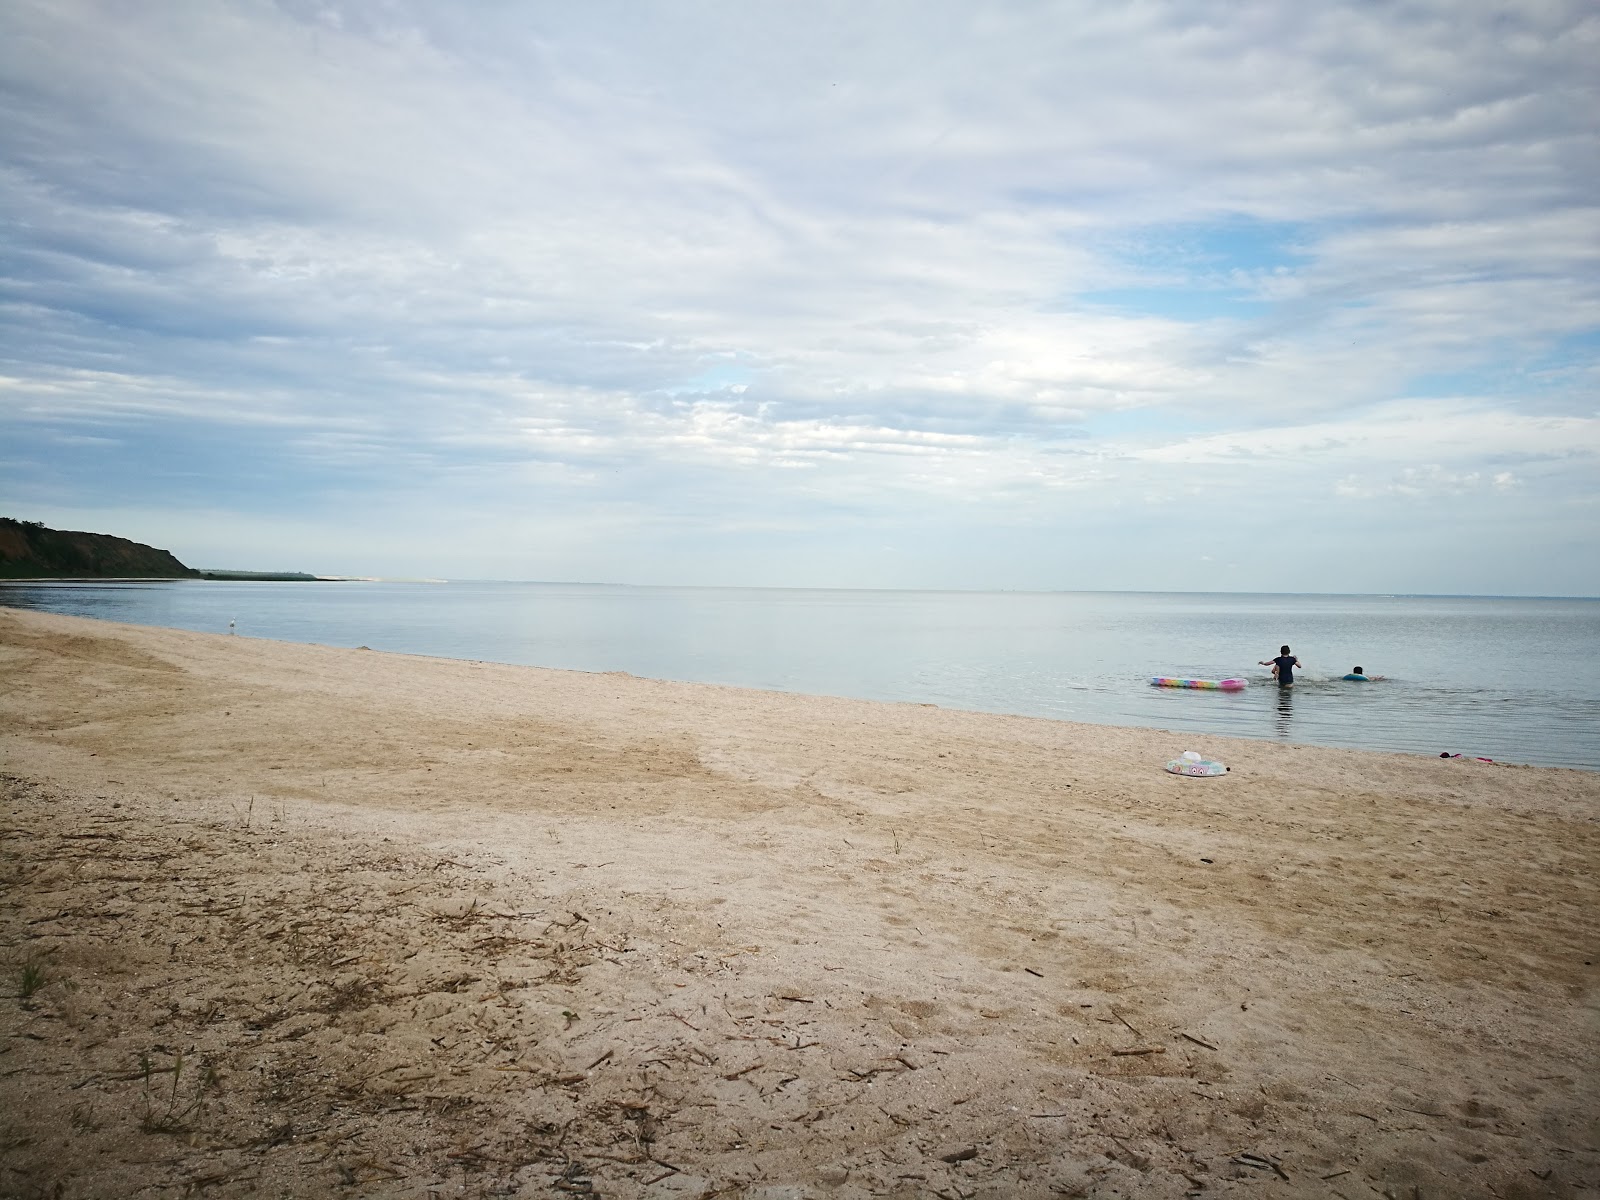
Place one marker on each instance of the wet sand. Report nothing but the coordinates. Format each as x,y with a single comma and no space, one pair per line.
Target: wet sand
297,921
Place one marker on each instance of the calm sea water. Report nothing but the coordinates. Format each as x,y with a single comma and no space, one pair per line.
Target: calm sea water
1510,679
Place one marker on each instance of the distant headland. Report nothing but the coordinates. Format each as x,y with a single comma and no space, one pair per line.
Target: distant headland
32,550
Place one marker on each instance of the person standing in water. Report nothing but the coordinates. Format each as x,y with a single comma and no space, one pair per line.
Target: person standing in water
1282,667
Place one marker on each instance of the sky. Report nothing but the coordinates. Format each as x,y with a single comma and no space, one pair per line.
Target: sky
910,294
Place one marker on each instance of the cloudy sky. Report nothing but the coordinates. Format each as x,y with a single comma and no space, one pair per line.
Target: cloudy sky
1182,295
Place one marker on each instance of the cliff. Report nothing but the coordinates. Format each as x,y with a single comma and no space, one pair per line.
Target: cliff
28,550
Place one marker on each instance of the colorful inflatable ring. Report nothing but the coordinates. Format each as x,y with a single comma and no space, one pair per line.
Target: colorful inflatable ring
1221,685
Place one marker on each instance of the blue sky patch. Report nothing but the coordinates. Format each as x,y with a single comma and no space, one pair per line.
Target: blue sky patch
1216,248
714,379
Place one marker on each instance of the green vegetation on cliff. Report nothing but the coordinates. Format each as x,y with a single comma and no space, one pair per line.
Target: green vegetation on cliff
30,550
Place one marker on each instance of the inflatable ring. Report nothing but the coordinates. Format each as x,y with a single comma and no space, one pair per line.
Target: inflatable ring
1199,768
1220,685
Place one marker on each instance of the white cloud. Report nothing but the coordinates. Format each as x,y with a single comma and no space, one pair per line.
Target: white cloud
1429,480
1397,433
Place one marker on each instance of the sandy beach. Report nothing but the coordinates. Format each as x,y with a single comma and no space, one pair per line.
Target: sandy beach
285,920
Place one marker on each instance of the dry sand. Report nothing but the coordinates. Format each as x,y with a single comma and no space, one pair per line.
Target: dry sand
296,921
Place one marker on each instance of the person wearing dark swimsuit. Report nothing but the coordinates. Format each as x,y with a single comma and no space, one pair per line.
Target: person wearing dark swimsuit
1282,667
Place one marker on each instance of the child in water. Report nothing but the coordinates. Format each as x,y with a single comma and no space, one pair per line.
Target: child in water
1282,667
1357,675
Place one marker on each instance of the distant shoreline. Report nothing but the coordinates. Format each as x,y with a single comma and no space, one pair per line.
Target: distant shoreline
209,576
265,576
32,552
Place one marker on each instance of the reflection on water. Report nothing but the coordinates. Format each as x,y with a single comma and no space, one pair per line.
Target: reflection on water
1509,679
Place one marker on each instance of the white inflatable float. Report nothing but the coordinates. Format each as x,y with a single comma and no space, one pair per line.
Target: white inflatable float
1190,763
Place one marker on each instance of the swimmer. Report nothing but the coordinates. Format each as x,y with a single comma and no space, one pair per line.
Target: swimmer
1357,675
1282,667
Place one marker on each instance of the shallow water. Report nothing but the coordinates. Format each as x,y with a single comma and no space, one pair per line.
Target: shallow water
1510,679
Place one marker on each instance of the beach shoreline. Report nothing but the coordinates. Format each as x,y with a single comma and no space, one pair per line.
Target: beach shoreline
1056,657
293,918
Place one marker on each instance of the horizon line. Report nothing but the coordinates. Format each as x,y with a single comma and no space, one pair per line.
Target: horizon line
314,577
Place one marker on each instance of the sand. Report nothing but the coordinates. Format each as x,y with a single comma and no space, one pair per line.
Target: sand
290,920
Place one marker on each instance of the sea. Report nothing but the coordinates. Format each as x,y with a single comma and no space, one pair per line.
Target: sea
1512,679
